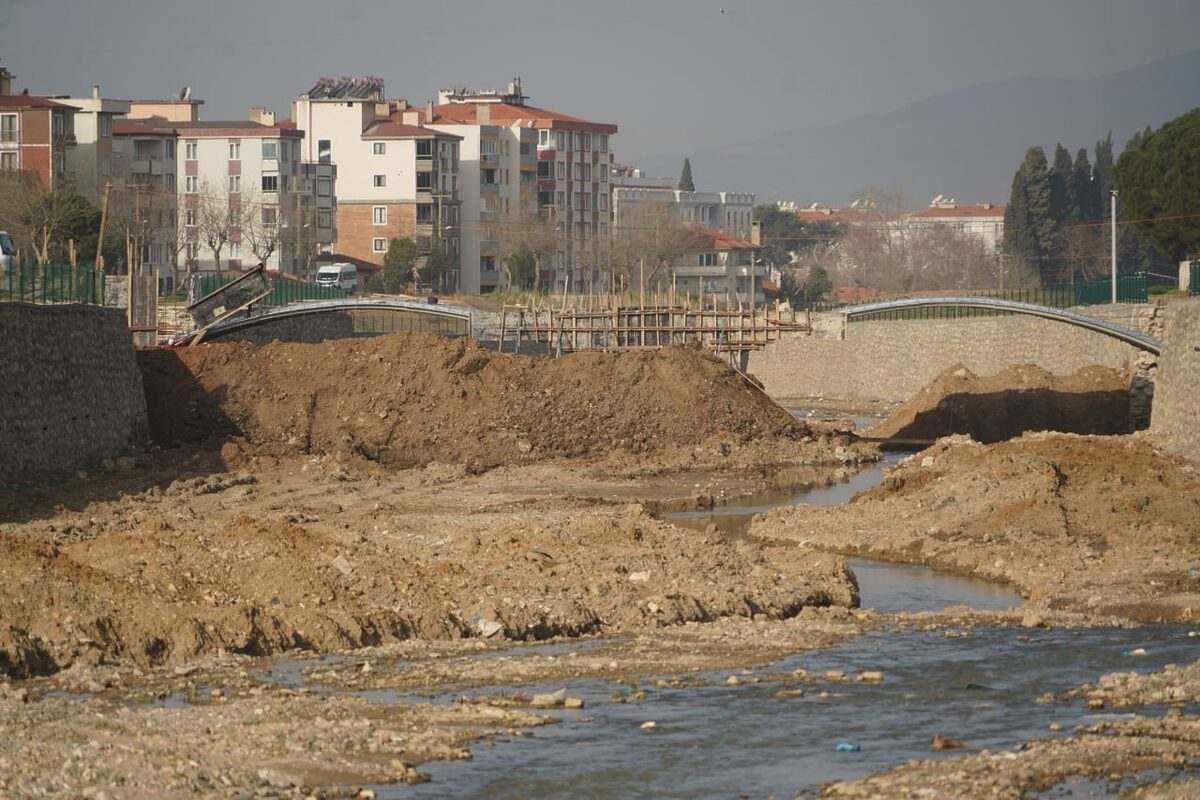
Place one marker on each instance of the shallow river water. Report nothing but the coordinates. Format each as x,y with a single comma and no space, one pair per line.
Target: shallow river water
731,741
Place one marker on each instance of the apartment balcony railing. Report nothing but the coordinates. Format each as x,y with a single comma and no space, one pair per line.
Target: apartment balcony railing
9,137
488,186
489,216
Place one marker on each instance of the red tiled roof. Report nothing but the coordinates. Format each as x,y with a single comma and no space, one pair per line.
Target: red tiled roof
507,113
30,101
142,129
386,129
851,216
962,211
719,240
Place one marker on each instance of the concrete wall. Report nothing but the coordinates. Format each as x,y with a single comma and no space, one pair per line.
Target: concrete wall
891,360
1176,416
70,390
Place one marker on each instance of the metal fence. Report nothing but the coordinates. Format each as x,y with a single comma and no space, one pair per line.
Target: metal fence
282,293
30,282
1132,287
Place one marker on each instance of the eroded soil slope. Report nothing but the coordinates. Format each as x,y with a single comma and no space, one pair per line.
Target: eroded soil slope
1106,524
1093,400
411,399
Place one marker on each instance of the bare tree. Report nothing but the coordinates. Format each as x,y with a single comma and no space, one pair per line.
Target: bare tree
650,238
536,237
38,216
260,225
215,222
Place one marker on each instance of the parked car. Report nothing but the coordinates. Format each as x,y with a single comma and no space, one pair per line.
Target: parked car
7,251
343,276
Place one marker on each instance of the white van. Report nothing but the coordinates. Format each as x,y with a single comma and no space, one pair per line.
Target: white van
7,251
343,276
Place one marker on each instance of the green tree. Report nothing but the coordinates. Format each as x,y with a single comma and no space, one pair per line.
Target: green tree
816,284
1102,173
1158,178
686,183
1029,226
783,233
522,267
1083,189
398,264
433,269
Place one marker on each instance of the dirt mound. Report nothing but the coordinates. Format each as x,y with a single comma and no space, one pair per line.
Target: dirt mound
172,589
1103,524
413,399
1094,400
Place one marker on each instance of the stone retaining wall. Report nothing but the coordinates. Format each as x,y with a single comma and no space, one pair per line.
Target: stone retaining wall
70,389
890,361
1176,416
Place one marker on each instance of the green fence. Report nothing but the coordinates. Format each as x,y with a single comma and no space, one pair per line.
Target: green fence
30,282
282,293
1194,281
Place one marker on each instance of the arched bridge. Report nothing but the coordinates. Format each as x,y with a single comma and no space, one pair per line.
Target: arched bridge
1120,332
344,318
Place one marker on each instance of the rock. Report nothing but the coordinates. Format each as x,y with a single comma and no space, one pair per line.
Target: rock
639,577
573,703
942,743
927,461
342,565
835,675
783,693
549,700
273,777
647,725
365,794
871,676
488,627
733,680
1055,727
1033,619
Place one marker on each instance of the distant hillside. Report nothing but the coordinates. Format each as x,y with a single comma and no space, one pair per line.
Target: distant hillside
966,143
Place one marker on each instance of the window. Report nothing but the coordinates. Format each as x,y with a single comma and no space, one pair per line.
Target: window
379,148
544,170
235,184
191,184
235,250
144,151
707,259
235,151
424,148
193,250
169,149
379,215
424,181
560,140
8,162
603,143
189,217
603,200
59,124
577,171
562,170
380,245
587,172
270,150
105,125
560,200
270,183
324,218
189,151
379,181
283,151
603,174
587,141
487,147
543,138
324,151
425,212
324,187
106,166
269,215
8,127
585,201
170,181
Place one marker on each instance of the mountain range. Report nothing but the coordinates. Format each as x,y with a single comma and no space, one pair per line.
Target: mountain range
965,143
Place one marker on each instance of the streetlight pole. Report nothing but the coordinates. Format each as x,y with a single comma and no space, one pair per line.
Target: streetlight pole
1113,237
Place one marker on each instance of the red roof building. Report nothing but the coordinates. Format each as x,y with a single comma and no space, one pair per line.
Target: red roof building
35,134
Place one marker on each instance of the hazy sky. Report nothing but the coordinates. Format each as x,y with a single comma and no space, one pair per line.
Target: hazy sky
674,75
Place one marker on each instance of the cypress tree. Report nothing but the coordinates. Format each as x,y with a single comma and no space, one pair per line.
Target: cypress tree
686,183
1029,227
1103,171
1087,205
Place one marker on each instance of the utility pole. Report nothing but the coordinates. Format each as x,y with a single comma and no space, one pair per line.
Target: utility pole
1113,236
296,238
103,225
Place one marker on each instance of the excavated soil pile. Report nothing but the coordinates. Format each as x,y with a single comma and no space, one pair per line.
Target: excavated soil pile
413,399
1094,400
1106,524
167,580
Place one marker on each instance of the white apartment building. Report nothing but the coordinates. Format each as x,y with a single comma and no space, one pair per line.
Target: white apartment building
395,178
498,187
91,160
144,174
945,214
250,172
727,212
574,161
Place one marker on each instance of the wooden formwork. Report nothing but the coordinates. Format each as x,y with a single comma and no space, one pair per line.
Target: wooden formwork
725,330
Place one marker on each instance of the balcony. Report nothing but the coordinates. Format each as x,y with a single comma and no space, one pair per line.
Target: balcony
488,187
489,159
489,216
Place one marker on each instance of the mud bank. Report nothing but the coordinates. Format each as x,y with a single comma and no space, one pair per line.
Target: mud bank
1096,524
